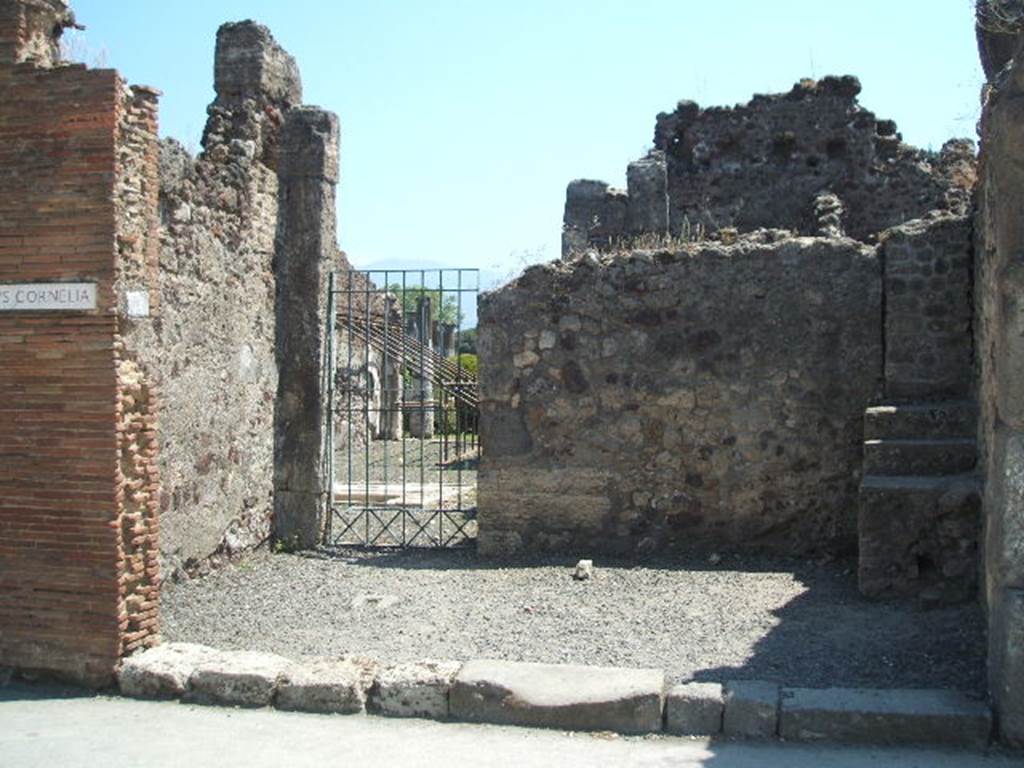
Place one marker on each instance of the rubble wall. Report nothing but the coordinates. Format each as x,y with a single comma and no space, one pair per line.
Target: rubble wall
767,164
928,283
708,398
214,346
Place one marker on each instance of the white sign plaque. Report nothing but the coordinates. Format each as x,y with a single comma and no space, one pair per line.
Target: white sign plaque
22,297
138,303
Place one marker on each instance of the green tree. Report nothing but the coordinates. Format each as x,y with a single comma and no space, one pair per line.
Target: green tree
469,363
444,309
467,341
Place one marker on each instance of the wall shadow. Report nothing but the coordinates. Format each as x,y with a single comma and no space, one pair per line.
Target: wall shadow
832,636
25,690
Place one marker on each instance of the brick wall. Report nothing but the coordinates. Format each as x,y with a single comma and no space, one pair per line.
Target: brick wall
77,427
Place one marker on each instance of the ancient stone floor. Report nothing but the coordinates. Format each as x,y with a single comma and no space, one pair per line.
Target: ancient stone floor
795,622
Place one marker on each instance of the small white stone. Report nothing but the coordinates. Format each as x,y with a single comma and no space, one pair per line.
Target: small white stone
137,303
373,601
548,339
584,570
183,212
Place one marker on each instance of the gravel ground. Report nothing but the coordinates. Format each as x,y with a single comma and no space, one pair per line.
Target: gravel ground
783,620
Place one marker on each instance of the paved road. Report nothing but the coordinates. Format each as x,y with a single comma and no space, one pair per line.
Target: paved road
39,727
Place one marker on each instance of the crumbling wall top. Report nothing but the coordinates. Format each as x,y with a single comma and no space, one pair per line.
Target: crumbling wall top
30,31
811,160
250,64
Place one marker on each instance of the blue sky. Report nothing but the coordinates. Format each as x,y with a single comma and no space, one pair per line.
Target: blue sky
462,122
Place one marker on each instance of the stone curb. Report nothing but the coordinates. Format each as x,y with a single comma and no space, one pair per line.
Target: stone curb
628,701
576,698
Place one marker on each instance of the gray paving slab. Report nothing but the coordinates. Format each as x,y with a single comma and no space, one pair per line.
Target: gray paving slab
884,716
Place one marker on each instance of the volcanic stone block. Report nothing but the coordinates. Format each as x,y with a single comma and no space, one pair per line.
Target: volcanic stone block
327,686
241,678
418,689
884,717
695,709
751,709
556,696
163,672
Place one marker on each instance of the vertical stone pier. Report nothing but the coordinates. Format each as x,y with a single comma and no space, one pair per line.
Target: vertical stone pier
647,186
305,253
999,326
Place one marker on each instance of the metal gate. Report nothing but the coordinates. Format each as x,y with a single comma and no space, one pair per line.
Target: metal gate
402,445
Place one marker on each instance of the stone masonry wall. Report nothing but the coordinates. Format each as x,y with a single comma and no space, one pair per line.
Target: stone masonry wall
768,164
999,329
708,398
78,474
214,345
928,346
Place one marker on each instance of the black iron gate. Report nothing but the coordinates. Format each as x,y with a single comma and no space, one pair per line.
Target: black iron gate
402,444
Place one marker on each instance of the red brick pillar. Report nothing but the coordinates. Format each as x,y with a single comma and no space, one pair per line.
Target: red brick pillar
78,433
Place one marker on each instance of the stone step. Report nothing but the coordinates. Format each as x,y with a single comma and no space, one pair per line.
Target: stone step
955,418
890,717
928,457
567,697
919,537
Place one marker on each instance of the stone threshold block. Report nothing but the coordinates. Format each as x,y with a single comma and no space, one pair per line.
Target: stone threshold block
237,678
163,672
884,717
577,698
417,689
695,709
751,709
